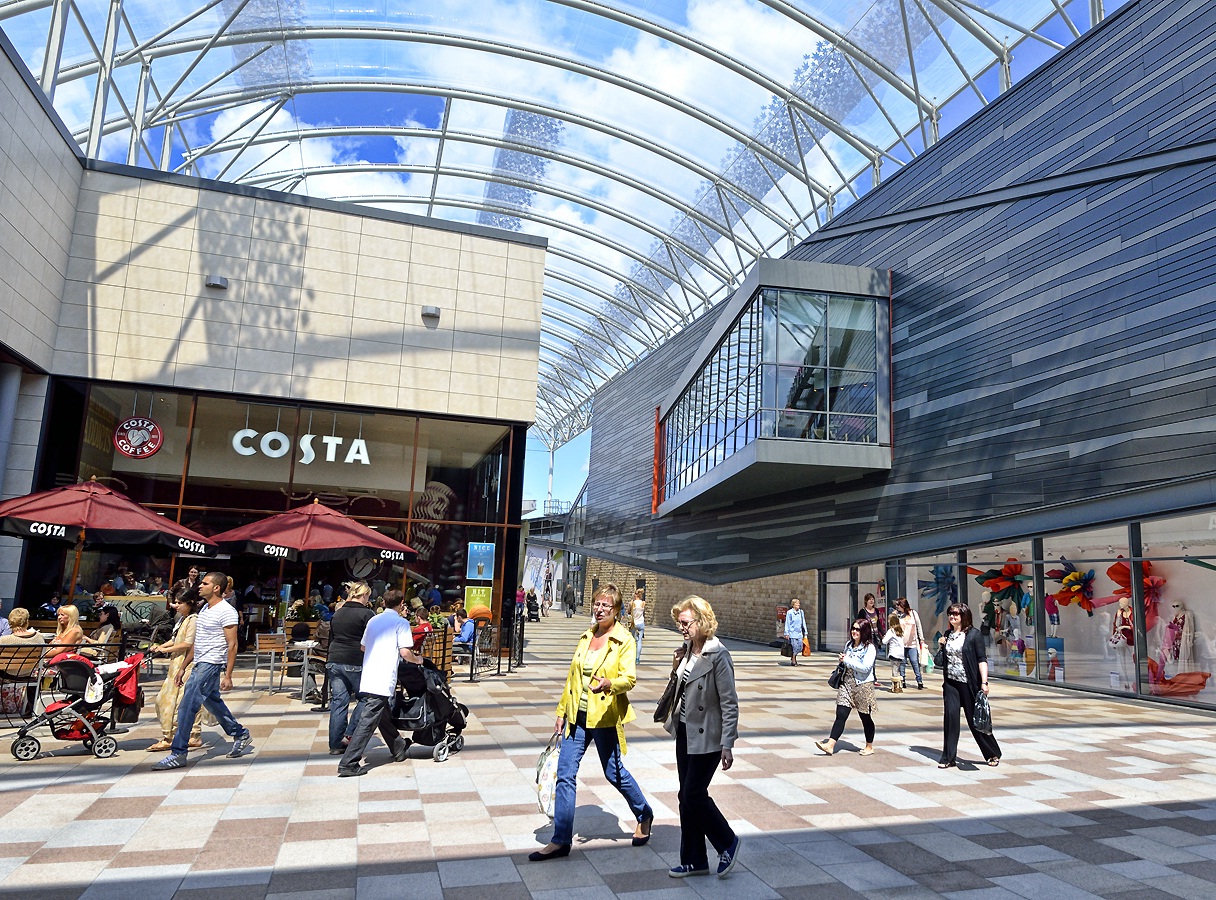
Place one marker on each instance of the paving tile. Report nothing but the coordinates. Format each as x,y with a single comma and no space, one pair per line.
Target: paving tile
892,827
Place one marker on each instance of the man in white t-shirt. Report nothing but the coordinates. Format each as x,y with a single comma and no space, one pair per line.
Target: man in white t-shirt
213,656
386,641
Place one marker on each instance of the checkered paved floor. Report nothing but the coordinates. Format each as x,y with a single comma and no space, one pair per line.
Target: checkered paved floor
1094,798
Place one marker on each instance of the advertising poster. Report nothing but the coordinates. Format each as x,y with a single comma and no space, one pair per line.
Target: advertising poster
481,562
478,596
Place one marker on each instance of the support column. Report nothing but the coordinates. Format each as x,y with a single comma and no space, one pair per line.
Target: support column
10,388
105,76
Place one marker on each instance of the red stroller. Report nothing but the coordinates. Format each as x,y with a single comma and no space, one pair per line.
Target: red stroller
75,695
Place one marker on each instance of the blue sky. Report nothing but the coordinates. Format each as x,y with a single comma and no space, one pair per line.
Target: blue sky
569,469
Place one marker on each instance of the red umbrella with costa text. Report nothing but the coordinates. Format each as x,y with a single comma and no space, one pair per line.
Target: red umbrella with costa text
92,515
313,533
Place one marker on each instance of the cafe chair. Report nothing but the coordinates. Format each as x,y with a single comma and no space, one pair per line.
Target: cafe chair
269,650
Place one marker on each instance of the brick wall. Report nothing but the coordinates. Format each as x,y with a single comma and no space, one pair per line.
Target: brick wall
745,609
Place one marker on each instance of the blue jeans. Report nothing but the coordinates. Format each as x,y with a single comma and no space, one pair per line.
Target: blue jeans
574,744
912,655
343,684
202,688
639,632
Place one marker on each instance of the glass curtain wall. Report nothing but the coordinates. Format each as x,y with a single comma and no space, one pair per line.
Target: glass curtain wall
797,365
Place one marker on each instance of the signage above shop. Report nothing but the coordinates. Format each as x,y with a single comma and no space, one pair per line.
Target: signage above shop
276,444
138,437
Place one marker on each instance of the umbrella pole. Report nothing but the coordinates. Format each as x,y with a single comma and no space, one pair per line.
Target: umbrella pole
76,567
308,583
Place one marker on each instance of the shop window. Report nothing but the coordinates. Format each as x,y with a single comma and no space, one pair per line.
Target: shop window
1180,606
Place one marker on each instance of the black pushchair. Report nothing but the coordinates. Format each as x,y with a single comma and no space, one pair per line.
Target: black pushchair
81,701
426,706
533,609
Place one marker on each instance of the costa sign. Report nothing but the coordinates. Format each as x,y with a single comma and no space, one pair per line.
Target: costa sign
275,550
190,546
47,529
138,437
392,556
276,444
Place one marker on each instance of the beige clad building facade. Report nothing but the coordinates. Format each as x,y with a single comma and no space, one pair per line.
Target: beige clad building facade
142,282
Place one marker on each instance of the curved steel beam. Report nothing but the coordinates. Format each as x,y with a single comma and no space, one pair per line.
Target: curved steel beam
737,66
202,106
481,45
578,162
539,187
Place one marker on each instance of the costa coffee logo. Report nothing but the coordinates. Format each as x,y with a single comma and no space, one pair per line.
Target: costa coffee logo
274,550
392,556
138,438
275,444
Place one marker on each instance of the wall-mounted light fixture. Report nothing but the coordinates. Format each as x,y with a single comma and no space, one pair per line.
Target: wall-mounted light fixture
430,312
216,281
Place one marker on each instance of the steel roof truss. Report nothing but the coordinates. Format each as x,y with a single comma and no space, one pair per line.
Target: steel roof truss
958,63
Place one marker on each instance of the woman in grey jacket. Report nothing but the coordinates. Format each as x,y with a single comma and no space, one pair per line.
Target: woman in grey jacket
705,724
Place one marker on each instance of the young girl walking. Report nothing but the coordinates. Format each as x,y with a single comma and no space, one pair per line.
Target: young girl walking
893,640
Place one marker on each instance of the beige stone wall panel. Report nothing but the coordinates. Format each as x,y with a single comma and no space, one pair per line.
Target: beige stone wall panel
745,610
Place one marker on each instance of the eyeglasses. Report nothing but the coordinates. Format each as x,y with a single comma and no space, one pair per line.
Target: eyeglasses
602,605
684,625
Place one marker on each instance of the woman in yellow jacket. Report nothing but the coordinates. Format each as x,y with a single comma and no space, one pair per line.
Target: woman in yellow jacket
595,707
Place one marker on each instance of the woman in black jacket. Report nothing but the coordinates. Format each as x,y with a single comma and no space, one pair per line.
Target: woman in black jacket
964,667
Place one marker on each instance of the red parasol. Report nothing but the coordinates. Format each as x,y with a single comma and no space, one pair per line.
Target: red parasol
313,533
90,514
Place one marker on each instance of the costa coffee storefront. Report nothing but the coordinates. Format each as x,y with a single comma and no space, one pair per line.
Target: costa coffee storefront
448,488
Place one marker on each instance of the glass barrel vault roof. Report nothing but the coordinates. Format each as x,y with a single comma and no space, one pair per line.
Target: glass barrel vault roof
660,146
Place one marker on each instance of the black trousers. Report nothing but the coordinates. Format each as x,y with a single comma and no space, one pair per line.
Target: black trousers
377,713
842,715
700,817
956,695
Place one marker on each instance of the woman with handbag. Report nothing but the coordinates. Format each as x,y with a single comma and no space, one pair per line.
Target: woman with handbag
705,724
594,707
795,629
964,668
856,689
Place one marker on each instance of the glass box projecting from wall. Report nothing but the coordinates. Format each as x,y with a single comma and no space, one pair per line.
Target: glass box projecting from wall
791,389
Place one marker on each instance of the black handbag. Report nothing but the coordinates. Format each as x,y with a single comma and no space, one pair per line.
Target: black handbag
667,699
836,677
787,648
939,658
981,716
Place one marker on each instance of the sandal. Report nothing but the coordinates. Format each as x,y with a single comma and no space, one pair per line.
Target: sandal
866,751
160,745
823,747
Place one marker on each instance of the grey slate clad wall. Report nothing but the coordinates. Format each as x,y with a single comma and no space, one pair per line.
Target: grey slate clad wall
1052,344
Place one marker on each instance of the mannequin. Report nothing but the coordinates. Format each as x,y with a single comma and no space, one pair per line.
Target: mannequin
988,617
1055,671
1180,637
1123,640
1012,624
1053,614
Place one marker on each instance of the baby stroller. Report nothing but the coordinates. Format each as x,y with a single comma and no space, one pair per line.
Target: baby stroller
533,608
76,694
425,705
